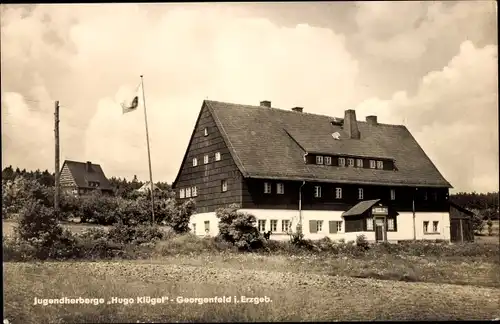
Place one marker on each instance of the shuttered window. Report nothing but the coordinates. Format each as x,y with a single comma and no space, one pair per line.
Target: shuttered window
335,226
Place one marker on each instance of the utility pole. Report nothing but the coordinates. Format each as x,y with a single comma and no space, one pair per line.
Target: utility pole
56,133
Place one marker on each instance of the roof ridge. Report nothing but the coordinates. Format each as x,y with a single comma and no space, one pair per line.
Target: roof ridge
294,112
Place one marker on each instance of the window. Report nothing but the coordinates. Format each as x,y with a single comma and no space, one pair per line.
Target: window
205,159
425,195
267,187
328,160
350,162
319,159
435,196
393,194
359,163
435,228
274,225
262,225
319,225
223,185
380,164
207,226
390,224
181,193
341,162
188,192
205,132
360,193
194,228
194,191
217,156
339,226
372,164
285,225
280,188
426,227
195,161
335,226
369,224
338,193
317,192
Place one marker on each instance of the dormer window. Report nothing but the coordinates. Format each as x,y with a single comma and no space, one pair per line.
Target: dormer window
195,161
205,132
341,162
93,184
317,192
380,164
360,194
393,194
280,188
338,193
373,165
328,160
350,162
319,159
359,163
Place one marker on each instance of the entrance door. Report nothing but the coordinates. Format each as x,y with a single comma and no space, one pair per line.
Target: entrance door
379,229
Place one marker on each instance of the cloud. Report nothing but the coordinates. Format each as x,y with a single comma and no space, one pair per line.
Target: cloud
186,53
454,117
405,30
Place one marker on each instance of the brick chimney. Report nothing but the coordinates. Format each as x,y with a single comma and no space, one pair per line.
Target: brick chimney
351,124
88,166
265,103
372,120
298,109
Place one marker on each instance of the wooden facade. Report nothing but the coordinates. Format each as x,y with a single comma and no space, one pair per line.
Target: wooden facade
67,182
207,178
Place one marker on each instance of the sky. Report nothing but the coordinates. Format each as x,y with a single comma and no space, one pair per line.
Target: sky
431,66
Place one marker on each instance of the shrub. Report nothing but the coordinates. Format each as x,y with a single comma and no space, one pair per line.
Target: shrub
490,227
362,242
16,193
477,223
37,221
239,228
138,234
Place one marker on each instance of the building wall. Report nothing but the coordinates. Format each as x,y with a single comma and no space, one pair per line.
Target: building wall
207,177
404,224
66,180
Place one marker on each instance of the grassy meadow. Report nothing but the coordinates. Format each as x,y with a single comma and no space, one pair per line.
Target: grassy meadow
428,282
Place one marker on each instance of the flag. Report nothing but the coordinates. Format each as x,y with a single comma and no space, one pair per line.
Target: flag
133,102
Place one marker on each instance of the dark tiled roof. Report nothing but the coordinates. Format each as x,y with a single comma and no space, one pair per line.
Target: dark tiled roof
360,207
271,143
82,176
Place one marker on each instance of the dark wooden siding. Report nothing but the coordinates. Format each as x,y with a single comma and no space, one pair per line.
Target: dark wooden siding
253,196
207,177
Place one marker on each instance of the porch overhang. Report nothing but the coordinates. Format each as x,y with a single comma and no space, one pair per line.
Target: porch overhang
360,208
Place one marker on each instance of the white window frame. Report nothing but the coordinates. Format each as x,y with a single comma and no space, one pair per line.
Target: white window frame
207,228
361,194
267,187
319,226
319,159
341,161
205,132
369,224
339,226
435,226
373,164
217,156
359,163
425,228
273,224
205,159
285,225
280,188
317,191
328,160
188,192
350,162
393,194
261,223
195,162
223,185
380,164
194,191
182,193
338,193
390,224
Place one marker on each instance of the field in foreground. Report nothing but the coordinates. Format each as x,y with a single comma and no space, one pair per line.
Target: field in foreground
298,292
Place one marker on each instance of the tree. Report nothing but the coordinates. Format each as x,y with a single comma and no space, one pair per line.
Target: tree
239,228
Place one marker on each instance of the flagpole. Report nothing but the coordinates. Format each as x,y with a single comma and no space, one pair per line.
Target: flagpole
149,152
